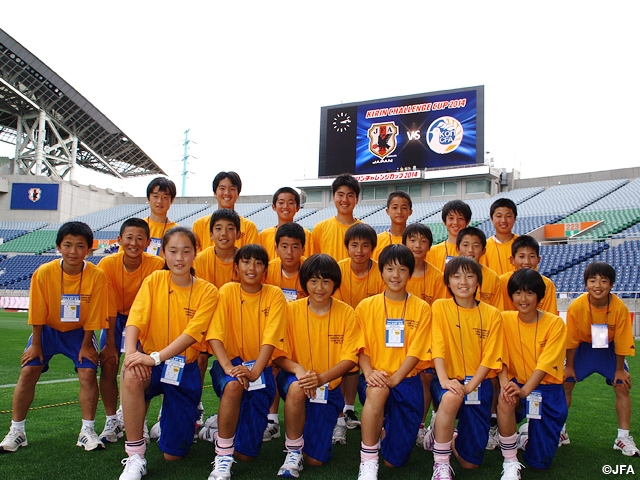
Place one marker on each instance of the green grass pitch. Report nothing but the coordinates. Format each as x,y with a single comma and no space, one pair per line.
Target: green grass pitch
54,422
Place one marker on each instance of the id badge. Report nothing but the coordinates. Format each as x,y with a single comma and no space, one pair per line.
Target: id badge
472,398
448,259
172,370
534,401
600,335
154,246
258,383
70,308
122,342
322,394
290,294
395,332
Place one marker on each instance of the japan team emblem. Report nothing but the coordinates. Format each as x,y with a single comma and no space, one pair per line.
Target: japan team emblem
383,139
34,194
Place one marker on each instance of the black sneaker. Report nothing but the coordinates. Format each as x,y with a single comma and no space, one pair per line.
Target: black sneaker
352,419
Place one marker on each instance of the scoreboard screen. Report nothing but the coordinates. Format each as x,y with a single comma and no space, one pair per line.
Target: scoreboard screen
429,130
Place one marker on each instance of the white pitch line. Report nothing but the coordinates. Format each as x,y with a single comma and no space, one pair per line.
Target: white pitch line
44,382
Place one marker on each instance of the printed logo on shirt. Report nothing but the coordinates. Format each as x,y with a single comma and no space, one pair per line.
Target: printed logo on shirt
336,339
411,323
481,333
265,311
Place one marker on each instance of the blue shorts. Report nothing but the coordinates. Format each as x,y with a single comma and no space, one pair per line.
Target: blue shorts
474,421
179,408
403,413
66,343
544,432
590,360
321,418
254,408
121,323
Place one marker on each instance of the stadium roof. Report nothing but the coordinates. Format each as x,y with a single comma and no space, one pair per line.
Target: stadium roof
28,86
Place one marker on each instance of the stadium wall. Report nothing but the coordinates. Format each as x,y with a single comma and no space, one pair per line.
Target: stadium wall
74,199
546,182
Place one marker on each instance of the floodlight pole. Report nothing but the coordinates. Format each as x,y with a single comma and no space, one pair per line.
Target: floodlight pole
185,156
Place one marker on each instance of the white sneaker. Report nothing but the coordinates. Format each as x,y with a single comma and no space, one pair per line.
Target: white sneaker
523,436
200,421
271,431
88,439
292,466
625,444
351,419
112,431
145,432
13,440
511,470
420,436
429,439
120,416
209,429
340,435
564,437
442,471
493,441
368,470
221,467
155,432
135,467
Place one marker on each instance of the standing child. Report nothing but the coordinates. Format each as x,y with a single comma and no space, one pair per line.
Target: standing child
503,213
322,344
360,279
467,352
391,358
599,336
226,190
399,208
69,300
284,273
161,193
215,263
456,215
328,235
169,315
525,253
531,377
125,272
286,203
249,323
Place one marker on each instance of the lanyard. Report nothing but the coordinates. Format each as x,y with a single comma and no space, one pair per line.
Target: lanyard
242,325
163,228
464,363
122,277
328,333
404,308
366,287
62,279
535,346
169,292
591,311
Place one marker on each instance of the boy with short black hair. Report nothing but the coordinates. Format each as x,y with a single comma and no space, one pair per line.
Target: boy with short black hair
125,272
216,263
467,350
248,324
161,192
599,336
472,243
456,215
426,282
286,203
68,300
391,360
322,344
360,279
226,189
399,208
284,268
328,235
531,378
525,253
503,214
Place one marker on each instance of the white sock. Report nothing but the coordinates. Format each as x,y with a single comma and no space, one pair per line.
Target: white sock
623,433
111,417
347,407
273,417
342,421
18,425
89,424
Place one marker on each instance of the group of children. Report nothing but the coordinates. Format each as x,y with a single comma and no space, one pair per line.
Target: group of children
317,318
